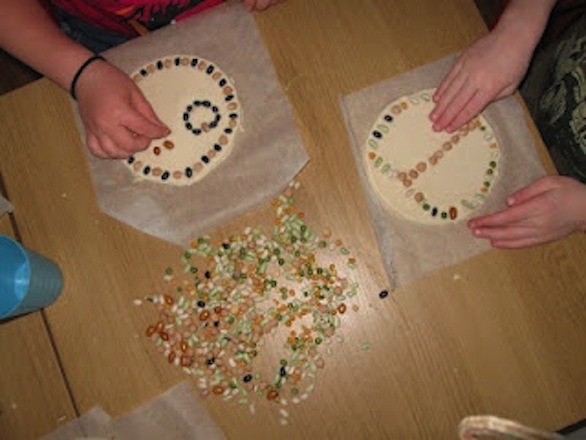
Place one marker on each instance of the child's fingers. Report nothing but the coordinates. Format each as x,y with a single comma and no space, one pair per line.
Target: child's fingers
445,103
129,142
457,104
143,107
110,148
502,218
513,232
262,4
445,84
536,188
137,123
472,108
95,147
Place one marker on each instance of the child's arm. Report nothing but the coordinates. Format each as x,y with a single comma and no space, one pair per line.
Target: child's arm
31,35
118,119
493,67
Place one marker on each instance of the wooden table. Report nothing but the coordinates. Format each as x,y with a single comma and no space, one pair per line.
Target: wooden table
508,338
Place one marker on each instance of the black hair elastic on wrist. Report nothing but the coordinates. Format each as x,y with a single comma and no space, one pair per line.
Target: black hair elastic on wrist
80,71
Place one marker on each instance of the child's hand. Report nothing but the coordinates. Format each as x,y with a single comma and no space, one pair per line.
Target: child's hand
490,69
548,209
118,119
259,5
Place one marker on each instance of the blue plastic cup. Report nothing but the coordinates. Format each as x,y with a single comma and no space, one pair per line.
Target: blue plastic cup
28,281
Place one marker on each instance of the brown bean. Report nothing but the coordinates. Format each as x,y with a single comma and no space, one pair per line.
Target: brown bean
421,167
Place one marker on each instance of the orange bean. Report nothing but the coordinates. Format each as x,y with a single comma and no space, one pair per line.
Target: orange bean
272,394
171,357
186,361
217,390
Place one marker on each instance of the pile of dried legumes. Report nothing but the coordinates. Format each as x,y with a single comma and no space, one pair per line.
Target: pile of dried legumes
213,319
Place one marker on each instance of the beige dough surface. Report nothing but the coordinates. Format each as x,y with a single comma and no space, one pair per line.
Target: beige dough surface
198,102
425,176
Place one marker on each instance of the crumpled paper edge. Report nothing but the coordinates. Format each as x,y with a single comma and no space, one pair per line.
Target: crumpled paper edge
174,415
5,206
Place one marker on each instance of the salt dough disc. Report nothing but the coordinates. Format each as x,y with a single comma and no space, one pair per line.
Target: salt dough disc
425,176
198,102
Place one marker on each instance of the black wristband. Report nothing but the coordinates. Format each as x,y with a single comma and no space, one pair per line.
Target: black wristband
80,71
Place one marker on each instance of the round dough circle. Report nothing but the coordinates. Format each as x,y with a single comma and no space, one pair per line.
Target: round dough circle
426,176
198,102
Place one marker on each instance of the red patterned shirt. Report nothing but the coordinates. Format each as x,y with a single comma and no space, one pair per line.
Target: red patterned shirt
132,17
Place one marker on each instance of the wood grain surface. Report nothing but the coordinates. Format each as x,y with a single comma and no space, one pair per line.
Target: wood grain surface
33,393
500,334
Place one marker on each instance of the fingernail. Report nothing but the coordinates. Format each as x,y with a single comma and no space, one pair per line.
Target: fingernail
510,201
433,116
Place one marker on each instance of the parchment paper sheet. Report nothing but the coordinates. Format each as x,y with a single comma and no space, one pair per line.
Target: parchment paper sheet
410,250
267,154
5,206
174,415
